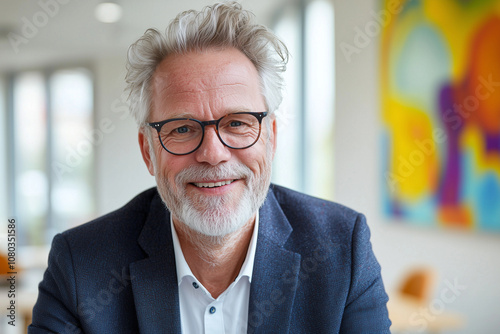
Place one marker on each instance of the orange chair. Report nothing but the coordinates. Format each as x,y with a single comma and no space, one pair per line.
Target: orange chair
419,284
414,294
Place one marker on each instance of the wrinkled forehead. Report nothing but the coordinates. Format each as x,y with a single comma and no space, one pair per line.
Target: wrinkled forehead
209,67
216,77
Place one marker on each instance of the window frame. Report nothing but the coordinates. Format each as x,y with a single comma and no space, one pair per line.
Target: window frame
13,208
305,169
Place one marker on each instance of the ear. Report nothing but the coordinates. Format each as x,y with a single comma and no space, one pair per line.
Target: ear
274,133
145,151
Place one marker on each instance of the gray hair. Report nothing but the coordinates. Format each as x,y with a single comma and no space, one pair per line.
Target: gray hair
222,25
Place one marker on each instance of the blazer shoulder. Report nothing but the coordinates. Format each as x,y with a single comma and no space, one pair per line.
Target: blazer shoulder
123,224
310,215
300,202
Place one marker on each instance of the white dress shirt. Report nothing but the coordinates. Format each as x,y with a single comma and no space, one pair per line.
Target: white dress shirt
200,313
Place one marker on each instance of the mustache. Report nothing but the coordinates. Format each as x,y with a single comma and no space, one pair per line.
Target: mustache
207,173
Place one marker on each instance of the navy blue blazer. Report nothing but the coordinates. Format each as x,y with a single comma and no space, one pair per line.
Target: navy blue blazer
314,272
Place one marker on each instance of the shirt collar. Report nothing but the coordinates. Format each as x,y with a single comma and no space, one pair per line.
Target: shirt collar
183,269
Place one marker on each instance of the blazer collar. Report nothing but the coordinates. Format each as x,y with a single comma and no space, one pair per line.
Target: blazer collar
154,282
275,272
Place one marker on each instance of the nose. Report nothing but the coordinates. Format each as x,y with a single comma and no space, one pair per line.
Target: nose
212,150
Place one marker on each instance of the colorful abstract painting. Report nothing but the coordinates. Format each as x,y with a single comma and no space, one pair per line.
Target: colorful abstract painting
440,86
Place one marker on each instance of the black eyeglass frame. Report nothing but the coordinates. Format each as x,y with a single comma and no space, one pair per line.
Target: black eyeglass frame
158,125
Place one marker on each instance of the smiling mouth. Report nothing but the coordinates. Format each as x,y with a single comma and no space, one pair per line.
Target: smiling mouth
212,184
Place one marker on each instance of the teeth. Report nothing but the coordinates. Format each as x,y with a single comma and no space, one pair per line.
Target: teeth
212,184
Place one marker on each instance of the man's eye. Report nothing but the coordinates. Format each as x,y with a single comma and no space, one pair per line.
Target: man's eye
236,123
182,129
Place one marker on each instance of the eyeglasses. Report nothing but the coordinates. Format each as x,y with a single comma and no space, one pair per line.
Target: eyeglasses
181,136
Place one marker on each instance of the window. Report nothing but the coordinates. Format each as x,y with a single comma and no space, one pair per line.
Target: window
50,152
288,168
30,155
304,160
72,148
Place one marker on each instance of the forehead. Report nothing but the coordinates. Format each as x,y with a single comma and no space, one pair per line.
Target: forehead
208,80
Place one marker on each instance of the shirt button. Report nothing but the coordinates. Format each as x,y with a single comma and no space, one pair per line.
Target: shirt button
212,310
196,286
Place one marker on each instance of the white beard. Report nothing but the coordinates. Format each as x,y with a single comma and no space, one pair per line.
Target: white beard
216,216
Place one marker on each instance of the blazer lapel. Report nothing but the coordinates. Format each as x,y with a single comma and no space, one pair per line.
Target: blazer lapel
275,273
154,279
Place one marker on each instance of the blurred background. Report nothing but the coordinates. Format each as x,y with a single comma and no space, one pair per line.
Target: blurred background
391,108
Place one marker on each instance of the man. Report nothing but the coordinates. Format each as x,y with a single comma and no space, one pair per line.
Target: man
214,248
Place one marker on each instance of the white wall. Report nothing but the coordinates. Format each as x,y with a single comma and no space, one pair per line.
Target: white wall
469,258
121,172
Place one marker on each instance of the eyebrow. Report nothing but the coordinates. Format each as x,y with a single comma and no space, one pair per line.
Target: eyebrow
230,111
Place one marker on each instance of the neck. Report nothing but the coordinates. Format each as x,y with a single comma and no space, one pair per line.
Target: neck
215,261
